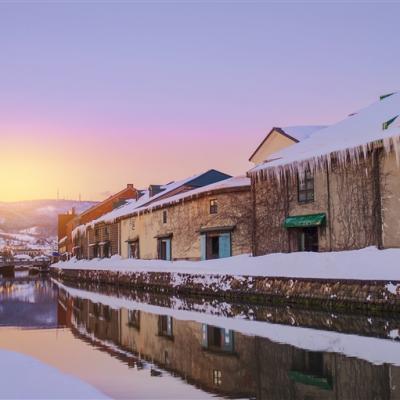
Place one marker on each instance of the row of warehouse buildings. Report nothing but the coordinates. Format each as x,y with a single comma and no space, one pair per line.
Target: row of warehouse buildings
312,188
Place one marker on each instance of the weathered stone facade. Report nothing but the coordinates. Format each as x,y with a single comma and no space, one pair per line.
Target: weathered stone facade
183,222
360,201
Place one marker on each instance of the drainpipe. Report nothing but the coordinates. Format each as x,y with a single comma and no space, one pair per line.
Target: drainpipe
328,189
289,246
253,217
377,201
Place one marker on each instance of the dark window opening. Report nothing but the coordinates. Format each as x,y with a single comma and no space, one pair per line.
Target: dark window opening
164,217
95,251
134,318
307,239
213,206
164,249
106,250
165,325
133,249
306,188
214,337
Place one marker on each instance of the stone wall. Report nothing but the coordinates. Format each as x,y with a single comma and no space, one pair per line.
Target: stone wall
357,199
322,293
184,221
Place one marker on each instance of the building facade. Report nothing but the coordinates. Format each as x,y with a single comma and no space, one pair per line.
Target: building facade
212,222
308,200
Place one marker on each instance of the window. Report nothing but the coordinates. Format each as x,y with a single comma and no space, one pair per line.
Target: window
96,233
106,230
133,249
306,188
213,206
165,326
217,377
164,217
134,318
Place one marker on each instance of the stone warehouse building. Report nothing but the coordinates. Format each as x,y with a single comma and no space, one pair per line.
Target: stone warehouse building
68,222
104,236
209,222
339,189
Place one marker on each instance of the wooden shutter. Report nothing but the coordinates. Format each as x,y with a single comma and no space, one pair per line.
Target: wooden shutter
225,245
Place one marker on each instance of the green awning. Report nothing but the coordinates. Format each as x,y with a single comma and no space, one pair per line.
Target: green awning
304,221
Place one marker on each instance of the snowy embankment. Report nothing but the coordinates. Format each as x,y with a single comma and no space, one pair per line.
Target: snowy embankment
23,377
375,350
365,264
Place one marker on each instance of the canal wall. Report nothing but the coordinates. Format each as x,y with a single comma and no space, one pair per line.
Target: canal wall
337,294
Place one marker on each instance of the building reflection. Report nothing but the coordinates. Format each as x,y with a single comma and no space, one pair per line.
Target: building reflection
225,362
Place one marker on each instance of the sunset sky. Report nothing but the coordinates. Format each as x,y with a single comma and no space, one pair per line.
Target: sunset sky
94,95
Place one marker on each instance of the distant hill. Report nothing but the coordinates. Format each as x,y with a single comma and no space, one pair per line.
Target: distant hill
36,217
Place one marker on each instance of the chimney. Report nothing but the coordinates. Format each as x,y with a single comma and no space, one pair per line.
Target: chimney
130,186
154,189
73,211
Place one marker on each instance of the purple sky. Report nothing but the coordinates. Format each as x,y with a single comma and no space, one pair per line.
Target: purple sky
94,95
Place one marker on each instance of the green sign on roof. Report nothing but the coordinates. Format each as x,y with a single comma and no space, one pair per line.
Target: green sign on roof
305,221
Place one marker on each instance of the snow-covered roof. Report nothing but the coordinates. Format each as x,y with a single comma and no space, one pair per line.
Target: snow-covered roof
146,203
302,132
230,183
350,138
132,205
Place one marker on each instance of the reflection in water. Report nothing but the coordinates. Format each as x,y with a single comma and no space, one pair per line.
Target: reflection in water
210,356
28,302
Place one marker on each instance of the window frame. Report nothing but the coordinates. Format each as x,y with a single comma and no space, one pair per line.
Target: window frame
303,189
164,217
213,207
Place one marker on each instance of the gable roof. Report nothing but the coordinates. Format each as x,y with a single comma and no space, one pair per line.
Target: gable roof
349,138
116,196
295,133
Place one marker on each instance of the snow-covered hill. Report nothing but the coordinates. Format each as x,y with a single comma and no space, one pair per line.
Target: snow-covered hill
33,222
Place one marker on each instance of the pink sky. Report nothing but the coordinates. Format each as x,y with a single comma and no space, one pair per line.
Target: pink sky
97,95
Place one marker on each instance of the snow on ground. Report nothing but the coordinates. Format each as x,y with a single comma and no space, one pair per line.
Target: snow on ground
365,264
23,377
375,350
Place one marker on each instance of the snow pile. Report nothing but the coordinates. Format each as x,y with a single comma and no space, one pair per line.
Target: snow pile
23,377
349,139
365,264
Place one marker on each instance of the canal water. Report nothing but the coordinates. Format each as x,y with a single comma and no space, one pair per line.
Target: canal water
132,345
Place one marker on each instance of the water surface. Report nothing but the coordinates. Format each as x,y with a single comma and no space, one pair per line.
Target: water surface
135,345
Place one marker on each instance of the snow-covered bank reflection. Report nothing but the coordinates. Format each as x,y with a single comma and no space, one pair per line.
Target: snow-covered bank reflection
235,357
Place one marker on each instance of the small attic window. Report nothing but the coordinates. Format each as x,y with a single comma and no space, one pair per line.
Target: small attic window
386,124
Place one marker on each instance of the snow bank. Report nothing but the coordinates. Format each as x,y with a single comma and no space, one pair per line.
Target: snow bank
374,350
23,377
365,264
